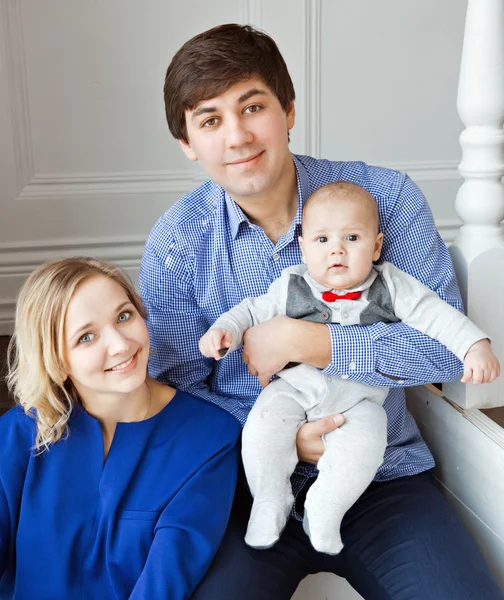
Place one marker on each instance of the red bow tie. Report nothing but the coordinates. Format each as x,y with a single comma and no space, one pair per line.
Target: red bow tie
332,297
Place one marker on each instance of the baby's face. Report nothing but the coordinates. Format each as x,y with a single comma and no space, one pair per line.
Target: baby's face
339,242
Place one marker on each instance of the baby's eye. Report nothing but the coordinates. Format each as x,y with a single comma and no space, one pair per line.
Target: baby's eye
86,338
352,237
322,239
124,316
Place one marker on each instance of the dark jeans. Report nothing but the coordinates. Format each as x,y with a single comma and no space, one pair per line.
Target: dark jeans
402,542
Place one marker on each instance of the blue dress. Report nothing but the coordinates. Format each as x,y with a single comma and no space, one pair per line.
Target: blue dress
144,524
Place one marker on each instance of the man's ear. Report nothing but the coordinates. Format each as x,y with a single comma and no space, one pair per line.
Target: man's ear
300,240
187,150
291,115
378,246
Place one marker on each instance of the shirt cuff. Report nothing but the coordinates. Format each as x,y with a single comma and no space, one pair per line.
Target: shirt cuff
352,350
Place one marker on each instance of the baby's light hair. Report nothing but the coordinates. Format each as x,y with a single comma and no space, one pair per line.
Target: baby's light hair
343,190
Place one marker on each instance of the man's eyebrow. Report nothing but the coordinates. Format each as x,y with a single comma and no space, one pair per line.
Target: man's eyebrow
203,110
249,94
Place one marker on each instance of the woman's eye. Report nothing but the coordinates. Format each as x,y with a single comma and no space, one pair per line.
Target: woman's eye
322,239
352,237
124,316
86,338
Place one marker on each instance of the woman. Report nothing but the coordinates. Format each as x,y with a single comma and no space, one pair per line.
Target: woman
111,484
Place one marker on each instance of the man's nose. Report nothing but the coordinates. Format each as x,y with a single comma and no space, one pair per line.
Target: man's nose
238,133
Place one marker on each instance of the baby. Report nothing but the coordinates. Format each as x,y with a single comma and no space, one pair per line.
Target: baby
338,283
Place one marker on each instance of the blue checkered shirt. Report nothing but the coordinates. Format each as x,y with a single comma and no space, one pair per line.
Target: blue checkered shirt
204,256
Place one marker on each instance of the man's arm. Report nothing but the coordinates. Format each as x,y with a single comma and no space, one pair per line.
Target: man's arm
386,354
254,311
175,323
419,307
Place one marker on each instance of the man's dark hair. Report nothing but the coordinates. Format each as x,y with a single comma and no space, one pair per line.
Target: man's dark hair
215,60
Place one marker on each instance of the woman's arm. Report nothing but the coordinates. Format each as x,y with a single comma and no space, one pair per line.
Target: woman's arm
4,529
190,530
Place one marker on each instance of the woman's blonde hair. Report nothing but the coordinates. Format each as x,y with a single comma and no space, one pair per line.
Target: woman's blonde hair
36,373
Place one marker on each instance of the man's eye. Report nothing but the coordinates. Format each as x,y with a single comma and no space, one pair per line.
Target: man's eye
253,108
209,122
86,338
124,316
322,239
352,237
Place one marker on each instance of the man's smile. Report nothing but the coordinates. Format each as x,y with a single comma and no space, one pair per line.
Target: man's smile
247,162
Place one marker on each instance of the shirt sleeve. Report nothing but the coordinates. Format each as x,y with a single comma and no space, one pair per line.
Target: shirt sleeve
421,308
175,322
395,354
252,311
190,530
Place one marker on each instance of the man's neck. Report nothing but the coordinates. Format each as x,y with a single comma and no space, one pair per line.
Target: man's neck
275,210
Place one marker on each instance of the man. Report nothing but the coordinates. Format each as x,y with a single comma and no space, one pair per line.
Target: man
230,103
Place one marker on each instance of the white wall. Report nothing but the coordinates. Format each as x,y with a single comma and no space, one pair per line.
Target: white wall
86,161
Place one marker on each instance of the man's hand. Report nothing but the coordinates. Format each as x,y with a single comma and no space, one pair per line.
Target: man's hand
268,347
215,342
310,446
480,363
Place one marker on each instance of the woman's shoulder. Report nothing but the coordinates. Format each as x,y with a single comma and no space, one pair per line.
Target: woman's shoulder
16,423
202,414
17,432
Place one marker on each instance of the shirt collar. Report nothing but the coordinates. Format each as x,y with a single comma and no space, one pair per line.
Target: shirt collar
303,186
237,216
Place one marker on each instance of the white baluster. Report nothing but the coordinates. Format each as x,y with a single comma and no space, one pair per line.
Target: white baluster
478,251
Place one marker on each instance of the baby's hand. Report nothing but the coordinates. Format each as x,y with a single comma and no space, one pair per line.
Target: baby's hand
215,343
480,363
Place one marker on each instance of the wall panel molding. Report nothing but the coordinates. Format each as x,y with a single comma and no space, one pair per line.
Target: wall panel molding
448,229
311,78
7,311
427,170
11,32
17,261
77,185
21,259
252,13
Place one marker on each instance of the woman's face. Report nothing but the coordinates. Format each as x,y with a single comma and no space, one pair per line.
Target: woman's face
106,340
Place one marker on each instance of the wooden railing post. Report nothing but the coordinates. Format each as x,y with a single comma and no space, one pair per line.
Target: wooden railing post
478,251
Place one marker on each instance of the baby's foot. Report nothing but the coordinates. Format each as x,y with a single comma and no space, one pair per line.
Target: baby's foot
266,523
323,537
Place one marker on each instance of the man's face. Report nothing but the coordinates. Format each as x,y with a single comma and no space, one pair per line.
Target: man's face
339,242
241,139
